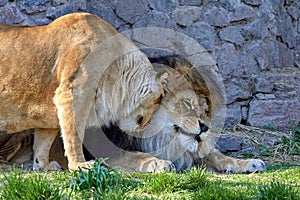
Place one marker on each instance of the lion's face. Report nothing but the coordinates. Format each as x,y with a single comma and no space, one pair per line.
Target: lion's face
183,110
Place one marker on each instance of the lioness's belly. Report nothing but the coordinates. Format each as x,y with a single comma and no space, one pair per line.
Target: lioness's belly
16,115
35,117
26,99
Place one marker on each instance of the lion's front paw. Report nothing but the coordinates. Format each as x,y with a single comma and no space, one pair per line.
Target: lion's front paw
248,166
157,166
255,165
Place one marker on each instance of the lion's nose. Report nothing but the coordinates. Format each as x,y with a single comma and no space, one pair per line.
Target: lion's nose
198,138
203,127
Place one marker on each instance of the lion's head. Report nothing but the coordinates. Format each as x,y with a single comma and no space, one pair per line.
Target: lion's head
181,109
177,125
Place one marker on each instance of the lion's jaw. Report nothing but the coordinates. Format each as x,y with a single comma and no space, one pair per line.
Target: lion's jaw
160,139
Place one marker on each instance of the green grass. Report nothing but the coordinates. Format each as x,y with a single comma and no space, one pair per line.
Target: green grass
22,185
98,182
279,182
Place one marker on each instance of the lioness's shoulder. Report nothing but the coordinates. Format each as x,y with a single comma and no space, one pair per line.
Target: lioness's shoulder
75,17
80,17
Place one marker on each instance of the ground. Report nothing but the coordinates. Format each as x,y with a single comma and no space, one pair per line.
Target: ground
280,181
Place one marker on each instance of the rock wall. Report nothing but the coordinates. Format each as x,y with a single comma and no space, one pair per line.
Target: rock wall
255,43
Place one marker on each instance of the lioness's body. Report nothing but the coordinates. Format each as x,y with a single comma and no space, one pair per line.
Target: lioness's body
27,96
47,85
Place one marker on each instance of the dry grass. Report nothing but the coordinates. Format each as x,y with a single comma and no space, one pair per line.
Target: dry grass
275,147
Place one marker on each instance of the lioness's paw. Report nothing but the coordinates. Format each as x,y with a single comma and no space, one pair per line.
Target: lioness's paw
255,165
77,165
52,166
157,166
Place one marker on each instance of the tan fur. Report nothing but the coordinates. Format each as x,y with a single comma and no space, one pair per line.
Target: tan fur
73,73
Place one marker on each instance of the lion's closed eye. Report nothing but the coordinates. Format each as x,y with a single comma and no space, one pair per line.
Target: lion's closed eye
188,104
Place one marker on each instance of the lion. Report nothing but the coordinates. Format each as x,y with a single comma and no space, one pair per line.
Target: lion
178,136
61,77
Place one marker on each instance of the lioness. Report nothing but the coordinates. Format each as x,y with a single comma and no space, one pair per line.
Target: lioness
177,134
56,77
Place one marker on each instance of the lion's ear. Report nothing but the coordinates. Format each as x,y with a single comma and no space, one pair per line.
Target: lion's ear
164,80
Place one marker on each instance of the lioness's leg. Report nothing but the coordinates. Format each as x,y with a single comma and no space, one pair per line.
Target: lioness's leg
72,135
43,139
221,163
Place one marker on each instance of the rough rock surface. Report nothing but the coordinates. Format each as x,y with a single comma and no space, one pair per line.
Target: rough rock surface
228,143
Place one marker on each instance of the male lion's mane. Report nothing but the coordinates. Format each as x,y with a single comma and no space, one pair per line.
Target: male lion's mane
162,145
